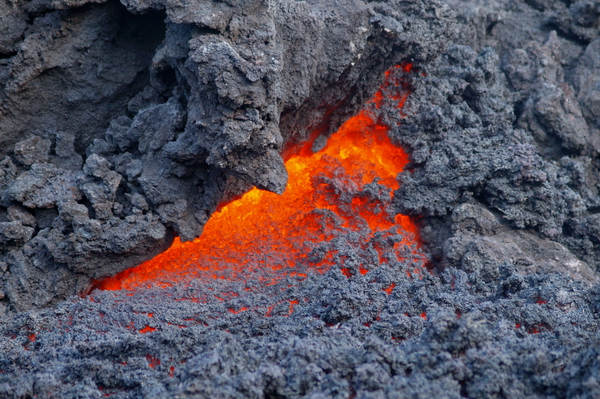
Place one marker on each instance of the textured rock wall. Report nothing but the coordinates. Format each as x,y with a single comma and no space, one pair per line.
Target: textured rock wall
124,125
502,129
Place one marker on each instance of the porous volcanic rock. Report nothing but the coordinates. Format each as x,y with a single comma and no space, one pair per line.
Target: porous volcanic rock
507,126
123,125
502,128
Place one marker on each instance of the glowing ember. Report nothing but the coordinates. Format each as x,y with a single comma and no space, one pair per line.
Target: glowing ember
340,191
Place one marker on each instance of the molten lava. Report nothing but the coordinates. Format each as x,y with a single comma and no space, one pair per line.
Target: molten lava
335,198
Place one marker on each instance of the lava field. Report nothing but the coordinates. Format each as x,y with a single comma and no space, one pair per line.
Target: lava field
299,199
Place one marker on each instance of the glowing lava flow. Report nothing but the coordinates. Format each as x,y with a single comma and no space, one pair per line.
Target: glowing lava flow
345,188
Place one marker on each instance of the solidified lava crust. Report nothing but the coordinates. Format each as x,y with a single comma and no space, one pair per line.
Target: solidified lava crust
126,124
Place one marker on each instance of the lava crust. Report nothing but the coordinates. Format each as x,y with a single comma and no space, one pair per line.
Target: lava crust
126,125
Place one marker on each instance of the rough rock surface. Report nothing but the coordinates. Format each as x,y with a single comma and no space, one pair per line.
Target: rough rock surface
123,125
502,126
451,336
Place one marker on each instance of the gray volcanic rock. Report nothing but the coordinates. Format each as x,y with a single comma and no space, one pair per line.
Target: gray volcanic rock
514,140
131,123
450,336
120,131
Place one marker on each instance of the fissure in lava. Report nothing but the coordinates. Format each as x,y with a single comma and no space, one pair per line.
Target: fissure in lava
337,199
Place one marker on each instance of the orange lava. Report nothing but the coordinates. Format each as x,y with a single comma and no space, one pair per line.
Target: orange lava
269,236
153,361
147,329
390,289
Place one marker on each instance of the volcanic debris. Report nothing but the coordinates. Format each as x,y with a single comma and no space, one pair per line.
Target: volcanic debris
125,124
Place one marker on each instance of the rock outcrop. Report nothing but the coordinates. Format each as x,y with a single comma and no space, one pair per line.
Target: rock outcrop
123,125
